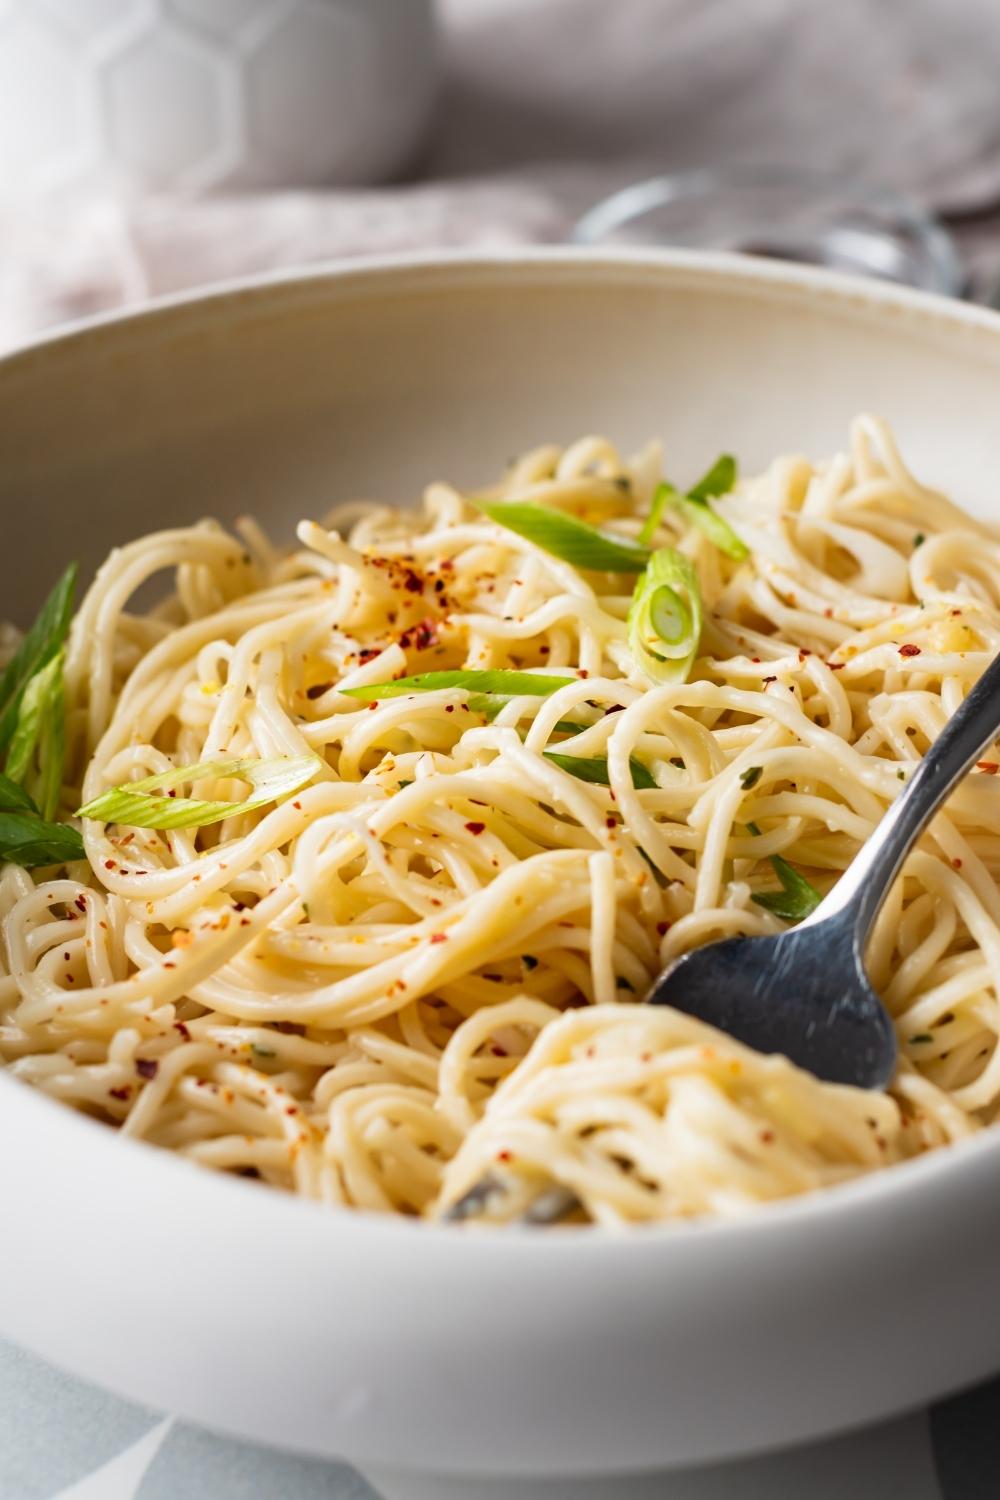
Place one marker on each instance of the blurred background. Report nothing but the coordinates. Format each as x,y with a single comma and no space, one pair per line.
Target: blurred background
149,146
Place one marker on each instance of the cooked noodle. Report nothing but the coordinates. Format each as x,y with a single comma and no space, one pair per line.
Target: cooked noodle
423,970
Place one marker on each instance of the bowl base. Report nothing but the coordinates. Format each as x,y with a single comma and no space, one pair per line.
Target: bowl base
895,1457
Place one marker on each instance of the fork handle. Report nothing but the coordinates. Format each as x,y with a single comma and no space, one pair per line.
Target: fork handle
857,898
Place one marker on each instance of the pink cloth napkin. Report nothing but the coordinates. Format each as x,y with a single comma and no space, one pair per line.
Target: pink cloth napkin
547,105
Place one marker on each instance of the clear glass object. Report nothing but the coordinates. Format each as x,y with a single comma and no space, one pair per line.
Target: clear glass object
797,214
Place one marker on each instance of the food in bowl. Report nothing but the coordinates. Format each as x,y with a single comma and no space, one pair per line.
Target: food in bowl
347,868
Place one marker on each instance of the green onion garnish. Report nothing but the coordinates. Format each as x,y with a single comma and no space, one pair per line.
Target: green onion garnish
141,804
595,769
798,897
26,838
750,777
664,619
567,537
37,748
42,642
32,739
695,508
720,479
509,684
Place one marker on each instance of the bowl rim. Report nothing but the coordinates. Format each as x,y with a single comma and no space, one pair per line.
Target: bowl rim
728,267
434,270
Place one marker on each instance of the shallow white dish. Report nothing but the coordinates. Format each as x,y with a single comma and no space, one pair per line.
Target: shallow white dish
424,1349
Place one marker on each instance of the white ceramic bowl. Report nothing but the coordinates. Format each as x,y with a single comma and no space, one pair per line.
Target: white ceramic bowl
432,1349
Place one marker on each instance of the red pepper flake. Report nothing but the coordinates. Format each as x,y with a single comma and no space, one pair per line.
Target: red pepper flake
80,903
125,1092
146,1067
67,957
439,937
645,1057
956,864
110,864
318,689
755,660
368,653
449,708
476,828
909,650
610,822
297,806
836,666
828,614
767,1136
421,636
498,1051
989,766
412,582
505,1156
662,927
291,1109
804,652
583,672
766,682
544,650
179,1026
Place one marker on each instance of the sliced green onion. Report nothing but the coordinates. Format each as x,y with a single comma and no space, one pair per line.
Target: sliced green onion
595,769
661,495
509,684
720,479
750,777
567,537
26,839
665,617
696,510
38,747
136,806
798,897
45,638
14,798
719,532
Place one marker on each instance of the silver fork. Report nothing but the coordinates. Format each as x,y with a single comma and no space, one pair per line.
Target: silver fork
806,992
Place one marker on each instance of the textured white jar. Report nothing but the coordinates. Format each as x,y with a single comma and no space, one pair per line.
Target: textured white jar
196,95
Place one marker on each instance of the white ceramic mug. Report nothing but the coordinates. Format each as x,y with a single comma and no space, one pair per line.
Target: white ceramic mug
197,95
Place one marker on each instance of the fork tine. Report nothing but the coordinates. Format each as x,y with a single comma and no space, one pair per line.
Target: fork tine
550,1205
